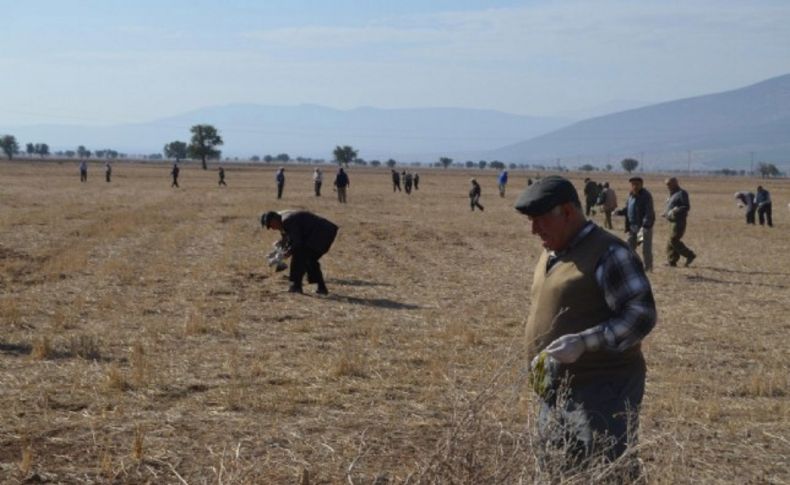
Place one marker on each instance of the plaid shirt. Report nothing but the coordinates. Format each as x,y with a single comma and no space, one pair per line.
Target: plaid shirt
628,294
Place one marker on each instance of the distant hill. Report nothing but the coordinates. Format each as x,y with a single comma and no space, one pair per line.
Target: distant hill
720,130
309,130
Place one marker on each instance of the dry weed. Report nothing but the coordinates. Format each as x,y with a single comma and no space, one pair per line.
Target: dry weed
42,348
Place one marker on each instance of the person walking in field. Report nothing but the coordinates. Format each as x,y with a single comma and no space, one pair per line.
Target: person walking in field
502,182
639,219
763,202
677,209
590,195
395,180
174,173
408,181
416,181
107,172
592,305
318,179
474,195
83,171
306,237
746,200
279,178
221,172
342,183
608,202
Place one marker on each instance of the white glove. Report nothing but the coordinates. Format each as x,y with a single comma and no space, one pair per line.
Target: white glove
567,349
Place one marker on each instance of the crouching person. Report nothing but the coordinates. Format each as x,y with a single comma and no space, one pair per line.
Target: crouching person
307,237
592,305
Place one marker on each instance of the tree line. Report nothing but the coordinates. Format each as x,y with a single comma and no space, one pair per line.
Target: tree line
205,140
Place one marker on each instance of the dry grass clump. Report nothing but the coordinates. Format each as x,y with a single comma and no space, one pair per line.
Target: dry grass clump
10,313
42,348
85,346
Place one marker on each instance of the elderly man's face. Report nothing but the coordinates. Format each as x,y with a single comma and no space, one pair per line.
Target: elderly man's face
554,227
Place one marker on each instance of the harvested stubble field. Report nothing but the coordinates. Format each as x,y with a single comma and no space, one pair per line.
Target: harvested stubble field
145,340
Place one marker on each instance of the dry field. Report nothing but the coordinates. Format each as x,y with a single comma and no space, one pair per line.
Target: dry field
145,341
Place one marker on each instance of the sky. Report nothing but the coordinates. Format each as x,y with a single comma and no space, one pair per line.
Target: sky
104,62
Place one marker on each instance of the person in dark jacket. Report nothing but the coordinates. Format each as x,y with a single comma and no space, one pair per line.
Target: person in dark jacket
416,181
107,172
763,202
174,173
591,192
408,181
474,195
306,237
279,177
342,183
639,219
395,180
676,213
221,172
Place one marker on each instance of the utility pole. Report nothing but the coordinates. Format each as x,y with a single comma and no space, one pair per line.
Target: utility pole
751,166
689,163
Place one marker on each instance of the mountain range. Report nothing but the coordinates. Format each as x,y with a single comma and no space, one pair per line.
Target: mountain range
726,129
722,130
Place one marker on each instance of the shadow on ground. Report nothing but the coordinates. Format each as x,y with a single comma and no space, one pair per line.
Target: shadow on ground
356,282
705,279
374,302
735,271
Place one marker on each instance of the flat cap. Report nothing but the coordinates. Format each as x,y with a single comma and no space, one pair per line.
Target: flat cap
545,194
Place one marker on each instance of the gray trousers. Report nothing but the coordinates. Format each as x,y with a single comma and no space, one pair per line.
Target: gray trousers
599,417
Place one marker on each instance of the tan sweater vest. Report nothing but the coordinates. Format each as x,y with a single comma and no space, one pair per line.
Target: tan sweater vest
568,299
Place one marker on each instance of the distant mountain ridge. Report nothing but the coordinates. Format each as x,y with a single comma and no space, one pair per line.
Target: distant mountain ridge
716,130
310,130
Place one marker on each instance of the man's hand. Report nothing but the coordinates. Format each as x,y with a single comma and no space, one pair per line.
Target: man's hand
567,349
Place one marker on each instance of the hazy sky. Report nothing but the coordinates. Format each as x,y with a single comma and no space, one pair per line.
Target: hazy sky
114,61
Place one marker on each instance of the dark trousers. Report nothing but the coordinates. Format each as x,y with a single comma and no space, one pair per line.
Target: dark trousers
175,182
341,194
750,215
222,181
280,188
597,417
83,176
107,176
318,189
588,206
675,247
305,260
764,215
395,186
475,202
407,187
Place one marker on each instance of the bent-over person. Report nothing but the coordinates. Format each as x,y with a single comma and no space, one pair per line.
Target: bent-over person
306,237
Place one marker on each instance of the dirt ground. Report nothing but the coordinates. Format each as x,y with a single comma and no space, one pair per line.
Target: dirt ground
144,339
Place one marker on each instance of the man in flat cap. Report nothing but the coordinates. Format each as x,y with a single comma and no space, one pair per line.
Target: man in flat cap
676,213
639,219
306,238
590,308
